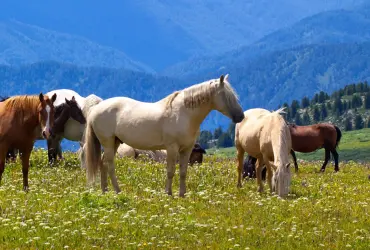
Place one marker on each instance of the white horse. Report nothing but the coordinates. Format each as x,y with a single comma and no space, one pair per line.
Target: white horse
265,136
171,123
73,130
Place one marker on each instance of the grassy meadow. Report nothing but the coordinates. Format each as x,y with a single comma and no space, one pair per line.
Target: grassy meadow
324,210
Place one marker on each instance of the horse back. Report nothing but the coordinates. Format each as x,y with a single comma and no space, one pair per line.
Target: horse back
309,138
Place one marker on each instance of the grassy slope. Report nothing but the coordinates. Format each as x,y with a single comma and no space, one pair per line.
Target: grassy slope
354,145
328,211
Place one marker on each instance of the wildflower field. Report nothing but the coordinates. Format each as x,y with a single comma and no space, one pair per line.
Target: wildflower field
324,211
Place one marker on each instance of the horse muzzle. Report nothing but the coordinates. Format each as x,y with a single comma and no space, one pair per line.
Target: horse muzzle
46,133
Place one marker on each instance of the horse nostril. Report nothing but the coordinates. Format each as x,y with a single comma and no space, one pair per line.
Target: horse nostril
44,134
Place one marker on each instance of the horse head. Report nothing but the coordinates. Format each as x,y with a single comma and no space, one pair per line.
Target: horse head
46,114
226,101
75,110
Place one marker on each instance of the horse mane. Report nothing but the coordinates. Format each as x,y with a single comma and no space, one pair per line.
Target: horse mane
23,102
201,93
58,110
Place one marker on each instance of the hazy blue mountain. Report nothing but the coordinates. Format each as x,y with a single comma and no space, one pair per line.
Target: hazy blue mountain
330,27
23,44
104,82
162,32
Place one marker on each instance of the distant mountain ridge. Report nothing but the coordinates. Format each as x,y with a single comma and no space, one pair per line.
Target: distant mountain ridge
329,27
24,44
160,33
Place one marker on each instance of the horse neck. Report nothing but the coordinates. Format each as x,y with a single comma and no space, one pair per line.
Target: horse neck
281,144
61,119
197,115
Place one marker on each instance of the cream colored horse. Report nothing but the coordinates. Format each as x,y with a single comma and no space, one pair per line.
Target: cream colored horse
265,136
171,123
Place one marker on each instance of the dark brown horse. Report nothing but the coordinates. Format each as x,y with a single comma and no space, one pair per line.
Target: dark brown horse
69,109
197,154
249,168
62,113
306,139
20,118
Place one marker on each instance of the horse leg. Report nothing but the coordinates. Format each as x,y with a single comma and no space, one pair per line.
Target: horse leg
295,160
184,159
336,158
327,157
171,167
269,174
111,166
240,165
3,153
51,150
26,152
259,166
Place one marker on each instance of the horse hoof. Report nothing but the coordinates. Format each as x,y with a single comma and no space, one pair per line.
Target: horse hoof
182,195
25,189
239,185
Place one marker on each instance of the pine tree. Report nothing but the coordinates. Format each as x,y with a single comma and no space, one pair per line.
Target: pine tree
217,133
204,137
224,141
359,122
316,114
294,107
367,101
305,102
356,101
297,119
306,118
324,112
347,124
321,97
338,106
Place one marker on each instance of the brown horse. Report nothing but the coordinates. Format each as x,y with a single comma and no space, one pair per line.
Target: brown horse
22,118
306,139
197,154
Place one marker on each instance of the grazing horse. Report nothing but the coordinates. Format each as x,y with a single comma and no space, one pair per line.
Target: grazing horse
61,114
74,129
306,139
21,116
249,168
171,123
265,136
196,154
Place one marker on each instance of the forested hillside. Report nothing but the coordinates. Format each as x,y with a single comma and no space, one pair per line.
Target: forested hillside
348,108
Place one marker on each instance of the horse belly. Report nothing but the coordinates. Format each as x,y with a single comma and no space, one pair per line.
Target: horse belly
142,138
73,130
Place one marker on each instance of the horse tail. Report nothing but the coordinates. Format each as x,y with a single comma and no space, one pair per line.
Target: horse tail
92,152
339,136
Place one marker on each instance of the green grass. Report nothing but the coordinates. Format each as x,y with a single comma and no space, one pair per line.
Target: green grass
324,211
354,145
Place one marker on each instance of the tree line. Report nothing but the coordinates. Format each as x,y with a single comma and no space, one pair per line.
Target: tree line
347,106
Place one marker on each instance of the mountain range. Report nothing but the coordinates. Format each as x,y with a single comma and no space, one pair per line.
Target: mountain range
159,33
274,51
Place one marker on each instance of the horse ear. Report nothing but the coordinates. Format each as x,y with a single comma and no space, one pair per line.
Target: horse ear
67,101
226,77
41,97
222,78
73,98
54,97
287,165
